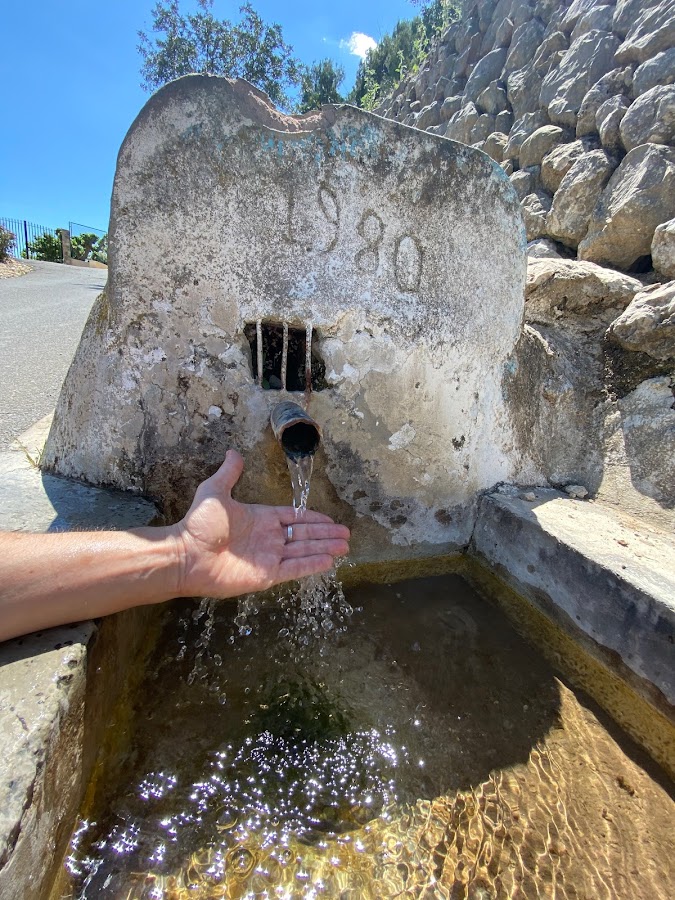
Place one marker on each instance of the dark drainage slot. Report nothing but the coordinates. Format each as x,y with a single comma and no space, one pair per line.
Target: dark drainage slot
283,357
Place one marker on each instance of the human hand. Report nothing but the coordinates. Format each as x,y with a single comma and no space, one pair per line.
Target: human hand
228,548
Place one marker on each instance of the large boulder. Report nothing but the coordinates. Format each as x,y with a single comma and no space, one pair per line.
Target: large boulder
577,10
650,119
647,325
429,116
524,182
493,99
488,69
537,145
577,195
553,43
656,71
663,249
652,30
542,248
587,60
639,196
557,163
608,121
535,207
484,126
599,18
569,287
495,144
522,89
522,128
526,40
449,107
618,81
460,125
648,426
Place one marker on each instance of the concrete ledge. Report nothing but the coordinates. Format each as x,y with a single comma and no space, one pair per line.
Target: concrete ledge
56,687
598,574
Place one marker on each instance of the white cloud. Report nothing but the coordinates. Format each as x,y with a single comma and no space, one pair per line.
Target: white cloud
358,43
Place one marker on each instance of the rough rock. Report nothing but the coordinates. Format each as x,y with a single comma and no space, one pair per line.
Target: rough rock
650,119
663,249
607,122
557,287
460,125
504,121
484,126
577,195
521,12
450,106
557,163
647,325
597,19
587,60
553,43
618,81
577,10
495,144
639,196
487,69
524,182
493,99
648,423
541,142
522,90
652,30
498,25
521,130
526,40
429,116
504,34
656,71
542,248
535,207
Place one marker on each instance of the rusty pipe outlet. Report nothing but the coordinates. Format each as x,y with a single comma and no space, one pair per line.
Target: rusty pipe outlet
296,431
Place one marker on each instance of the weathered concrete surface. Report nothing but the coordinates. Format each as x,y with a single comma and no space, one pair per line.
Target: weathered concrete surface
56,687
594,571
404,250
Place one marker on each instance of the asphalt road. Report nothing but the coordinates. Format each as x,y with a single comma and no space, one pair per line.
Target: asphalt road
42,315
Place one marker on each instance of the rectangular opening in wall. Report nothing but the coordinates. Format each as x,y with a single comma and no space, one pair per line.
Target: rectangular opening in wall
283,356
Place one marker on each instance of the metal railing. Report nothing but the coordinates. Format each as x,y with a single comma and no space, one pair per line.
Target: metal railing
24,234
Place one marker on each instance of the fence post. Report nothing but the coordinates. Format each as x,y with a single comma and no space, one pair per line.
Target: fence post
25,234
65,245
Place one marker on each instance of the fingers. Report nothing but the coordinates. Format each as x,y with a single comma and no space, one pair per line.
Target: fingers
288,516
333,546
321,531
292,569
229,473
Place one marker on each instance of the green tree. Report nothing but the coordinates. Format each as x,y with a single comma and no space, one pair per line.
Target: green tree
319,84
182,44
401,52
81,245
46,246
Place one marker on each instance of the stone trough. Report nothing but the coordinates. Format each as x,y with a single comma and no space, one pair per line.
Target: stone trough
243,245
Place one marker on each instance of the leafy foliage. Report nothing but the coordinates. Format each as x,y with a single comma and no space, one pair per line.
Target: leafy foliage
319,84
46,246
183,44
401,52
7,239
89,246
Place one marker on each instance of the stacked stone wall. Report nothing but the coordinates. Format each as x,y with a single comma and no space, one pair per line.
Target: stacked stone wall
576,100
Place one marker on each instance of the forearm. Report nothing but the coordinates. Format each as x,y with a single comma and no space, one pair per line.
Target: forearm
53,579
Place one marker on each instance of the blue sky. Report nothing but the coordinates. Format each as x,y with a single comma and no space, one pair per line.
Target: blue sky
71,89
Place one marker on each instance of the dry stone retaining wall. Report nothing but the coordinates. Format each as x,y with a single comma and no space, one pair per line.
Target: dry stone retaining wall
576,100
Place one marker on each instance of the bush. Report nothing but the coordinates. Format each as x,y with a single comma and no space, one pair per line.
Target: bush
6,243
46,247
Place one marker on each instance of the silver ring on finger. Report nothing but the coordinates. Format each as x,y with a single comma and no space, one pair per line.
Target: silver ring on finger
289,533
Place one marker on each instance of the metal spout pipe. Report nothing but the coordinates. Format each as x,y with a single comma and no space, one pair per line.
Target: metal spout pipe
296,431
